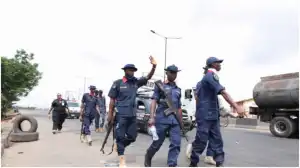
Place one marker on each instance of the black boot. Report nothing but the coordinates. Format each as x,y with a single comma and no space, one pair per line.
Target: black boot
218,164
193,165
172,166
148,158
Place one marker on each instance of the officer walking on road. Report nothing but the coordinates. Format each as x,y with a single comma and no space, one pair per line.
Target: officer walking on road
59,107
164,123
89,109
102,107
207,114
97,117
122,96
209,158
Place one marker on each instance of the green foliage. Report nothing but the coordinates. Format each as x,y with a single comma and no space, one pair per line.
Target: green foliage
19,75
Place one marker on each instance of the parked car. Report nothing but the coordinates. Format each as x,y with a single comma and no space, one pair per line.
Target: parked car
74,108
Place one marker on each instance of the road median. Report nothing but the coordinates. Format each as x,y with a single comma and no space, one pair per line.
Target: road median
248,124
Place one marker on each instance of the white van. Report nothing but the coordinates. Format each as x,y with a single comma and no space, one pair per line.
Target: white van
74,107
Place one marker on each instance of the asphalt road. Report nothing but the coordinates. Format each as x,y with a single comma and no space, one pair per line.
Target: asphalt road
243,148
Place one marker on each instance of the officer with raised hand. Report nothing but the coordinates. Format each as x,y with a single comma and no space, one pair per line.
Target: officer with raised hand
122,97
165,123
207,113
89,109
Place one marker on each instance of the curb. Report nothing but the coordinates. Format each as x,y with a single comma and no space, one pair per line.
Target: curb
247,123
5,143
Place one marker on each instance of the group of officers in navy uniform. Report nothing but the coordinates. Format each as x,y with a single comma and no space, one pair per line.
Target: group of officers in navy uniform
93,106
122,96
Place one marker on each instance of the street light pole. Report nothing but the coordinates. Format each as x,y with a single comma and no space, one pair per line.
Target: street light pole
166,42
165,66
84,85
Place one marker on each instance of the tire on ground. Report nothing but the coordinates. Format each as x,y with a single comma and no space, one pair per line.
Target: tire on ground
17,123
289,123
24,136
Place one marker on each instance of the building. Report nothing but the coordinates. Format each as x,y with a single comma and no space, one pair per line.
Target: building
245,104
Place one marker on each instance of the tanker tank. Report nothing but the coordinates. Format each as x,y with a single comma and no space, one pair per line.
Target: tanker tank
278,91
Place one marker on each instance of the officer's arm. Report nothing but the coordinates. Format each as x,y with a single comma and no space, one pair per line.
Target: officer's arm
179,106
219,89
52,106
66,105
228,98
98,109
214,83
196,91
155,97
151,73
112,94
142,81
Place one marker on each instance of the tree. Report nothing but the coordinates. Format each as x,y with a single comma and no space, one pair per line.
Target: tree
19,75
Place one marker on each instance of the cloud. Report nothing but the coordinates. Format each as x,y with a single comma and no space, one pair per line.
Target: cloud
77,39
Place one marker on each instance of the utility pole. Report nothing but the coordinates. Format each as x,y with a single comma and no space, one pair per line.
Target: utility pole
84,85
78,94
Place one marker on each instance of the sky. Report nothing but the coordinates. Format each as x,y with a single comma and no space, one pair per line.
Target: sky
73,40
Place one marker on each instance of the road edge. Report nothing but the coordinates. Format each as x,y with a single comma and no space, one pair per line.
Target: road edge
5,143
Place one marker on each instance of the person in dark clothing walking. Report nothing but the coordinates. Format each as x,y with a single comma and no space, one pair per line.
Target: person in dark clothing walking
59,108
102,108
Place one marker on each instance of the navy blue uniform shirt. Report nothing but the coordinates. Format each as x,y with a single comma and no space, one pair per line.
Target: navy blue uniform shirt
124,93
90,102
207,91
173,90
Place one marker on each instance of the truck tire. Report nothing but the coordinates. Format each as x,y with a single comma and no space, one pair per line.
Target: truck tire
24,136
17,124
282,127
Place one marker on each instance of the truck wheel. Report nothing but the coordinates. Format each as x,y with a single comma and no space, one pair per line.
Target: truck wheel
282,127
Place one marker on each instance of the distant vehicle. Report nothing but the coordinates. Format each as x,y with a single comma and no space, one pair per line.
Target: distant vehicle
74,108
277,100
16,109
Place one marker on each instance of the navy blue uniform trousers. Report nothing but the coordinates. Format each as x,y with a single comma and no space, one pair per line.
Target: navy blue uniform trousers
175,141
126,132
208,130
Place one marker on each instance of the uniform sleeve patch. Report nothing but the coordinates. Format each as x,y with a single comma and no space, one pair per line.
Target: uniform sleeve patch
216,77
